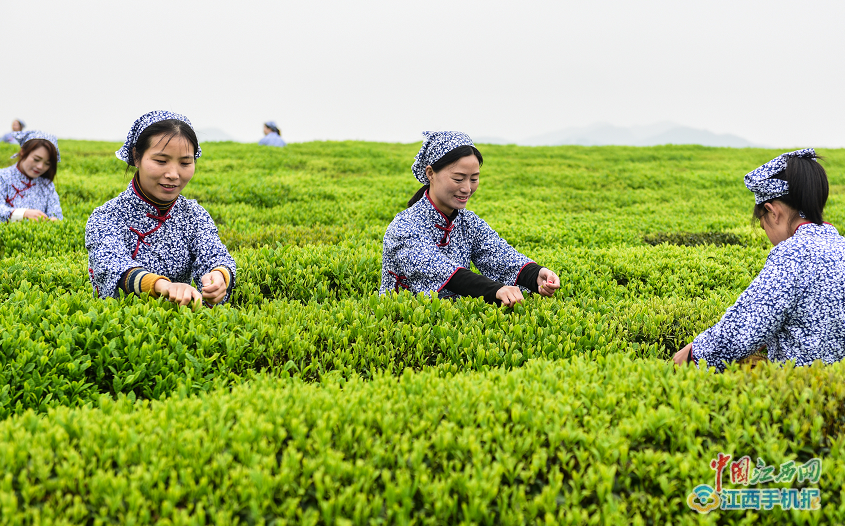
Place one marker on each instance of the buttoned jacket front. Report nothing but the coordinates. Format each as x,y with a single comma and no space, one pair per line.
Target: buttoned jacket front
127,232
19,191
795,306
423,248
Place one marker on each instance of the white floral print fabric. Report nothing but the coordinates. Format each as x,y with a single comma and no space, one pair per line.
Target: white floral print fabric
795,306
19,191
434,146
128,232
423,249
25,136
144,121
761,181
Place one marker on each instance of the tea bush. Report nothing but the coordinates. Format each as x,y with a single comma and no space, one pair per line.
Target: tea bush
585,441
311,399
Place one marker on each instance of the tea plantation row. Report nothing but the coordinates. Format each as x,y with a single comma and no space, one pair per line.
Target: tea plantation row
310,399
582,441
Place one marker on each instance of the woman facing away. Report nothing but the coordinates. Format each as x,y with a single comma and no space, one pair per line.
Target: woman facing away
272,135
17,126
430,245
796,305
150,238
26,188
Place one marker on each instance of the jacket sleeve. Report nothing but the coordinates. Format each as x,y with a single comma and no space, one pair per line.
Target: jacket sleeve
411,256
5,209
108,255
467,283
756,317
493,256
207,251
54,207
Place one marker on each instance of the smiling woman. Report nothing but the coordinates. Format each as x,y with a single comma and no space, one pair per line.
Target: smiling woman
429,246
150,238
26,188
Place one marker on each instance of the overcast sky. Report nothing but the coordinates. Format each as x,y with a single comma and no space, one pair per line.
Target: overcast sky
768,71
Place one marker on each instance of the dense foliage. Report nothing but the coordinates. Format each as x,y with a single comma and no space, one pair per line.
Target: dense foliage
310,398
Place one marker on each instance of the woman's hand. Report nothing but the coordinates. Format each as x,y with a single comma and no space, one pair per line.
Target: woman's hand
509,296
179,293
35,215
547,282
213,287
681,357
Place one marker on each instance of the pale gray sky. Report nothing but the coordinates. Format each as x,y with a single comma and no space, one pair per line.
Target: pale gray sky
768,71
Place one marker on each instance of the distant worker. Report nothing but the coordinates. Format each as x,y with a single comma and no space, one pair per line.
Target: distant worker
26,188
794,307
17,125
150,238
429,246
272,135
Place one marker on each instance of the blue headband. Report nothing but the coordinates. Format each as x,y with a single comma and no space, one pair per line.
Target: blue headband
144,121
763,182
434,147
25,136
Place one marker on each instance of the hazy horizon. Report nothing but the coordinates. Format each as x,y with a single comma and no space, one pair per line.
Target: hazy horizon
382,71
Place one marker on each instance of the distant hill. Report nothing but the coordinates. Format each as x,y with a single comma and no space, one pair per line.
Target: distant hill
604,134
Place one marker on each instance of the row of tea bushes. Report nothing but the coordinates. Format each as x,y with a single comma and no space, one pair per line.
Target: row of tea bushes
585,441
352,268
535,197
69,349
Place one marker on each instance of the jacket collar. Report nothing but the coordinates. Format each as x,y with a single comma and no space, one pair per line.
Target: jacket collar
16,171
435,214
137,201
812,229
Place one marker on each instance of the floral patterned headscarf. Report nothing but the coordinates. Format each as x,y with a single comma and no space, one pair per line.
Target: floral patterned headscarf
763,182
25,136
434,147
145,120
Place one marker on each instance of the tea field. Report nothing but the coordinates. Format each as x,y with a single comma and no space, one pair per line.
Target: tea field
309,399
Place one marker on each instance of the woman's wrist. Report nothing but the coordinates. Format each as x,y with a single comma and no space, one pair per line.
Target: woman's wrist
18,214
160,285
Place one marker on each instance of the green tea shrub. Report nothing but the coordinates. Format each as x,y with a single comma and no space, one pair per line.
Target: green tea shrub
608,440
67,350
693,239
318,273
42,238
310,399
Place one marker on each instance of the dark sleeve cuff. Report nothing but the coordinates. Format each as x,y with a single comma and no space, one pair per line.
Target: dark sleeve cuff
130,281
467,283
528,277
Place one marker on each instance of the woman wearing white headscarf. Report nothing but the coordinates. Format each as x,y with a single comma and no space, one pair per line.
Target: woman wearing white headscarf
17,126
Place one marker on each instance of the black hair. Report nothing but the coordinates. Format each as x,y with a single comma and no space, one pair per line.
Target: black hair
451,156
170,128
808,189
273,129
